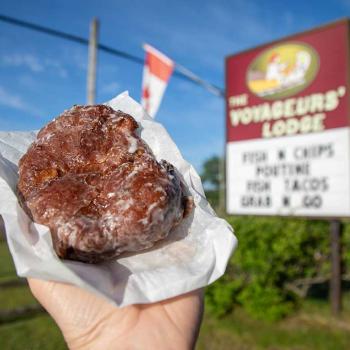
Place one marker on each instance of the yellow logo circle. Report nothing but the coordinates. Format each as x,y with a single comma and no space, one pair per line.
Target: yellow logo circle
282,70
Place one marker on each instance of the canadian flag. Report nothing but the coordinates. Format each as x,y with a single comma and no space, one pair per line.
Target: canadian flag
156,73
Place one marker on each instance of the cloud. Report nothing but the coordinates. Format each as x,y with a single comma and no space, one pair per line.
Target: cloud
110,88
75,56
15,101
27,60
222,28
56,66
34,63
193,34
28,81
345,3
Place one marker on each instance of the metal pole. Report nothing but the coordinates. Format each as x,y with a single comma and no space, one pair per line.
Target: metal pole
335,282
92,62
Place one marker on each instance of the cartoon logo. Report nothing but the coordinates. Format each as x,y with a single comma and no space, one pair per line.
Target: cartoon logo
282,70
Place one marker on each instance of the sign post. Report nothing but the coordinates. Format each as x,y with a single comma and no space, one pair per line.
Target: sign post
288,131
336,267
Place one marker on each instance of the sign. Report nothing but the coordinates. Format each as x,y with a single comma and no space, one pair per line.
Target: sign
287,126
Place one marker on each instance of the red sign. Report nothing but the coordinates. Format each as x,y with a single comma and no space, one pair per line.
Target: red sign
296,85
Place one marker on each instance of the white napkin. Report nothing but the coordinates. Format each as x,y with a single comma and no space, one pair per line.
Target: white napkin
195,253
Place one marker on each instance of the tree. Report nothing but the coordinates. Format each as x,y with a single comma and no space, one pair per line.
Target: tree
211,172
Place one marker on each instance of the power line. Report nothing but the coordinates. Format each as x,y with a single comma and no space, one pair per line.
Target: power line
180,71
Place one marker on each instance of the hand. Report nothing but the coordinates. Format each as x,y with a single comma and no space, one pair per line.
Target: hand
88,321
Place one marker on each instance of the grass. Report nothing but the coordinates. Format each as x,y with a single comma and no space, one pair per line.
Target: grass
234,332
14,297
11,297
37,333
310,329
7,269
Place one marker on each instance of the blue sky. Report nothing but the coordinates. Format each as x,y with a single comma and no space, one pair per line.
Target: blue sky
40,75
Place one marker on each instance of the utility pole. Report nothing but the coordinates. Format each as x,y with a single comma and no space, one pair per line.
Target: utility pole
92,62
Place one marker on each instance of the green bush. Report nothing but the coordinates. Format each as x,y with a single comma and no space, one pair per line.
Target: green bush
272,254
220,296
265,302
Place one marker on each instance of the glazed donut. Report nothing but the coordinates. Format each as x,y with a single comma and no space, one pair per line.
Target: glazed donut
97,185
